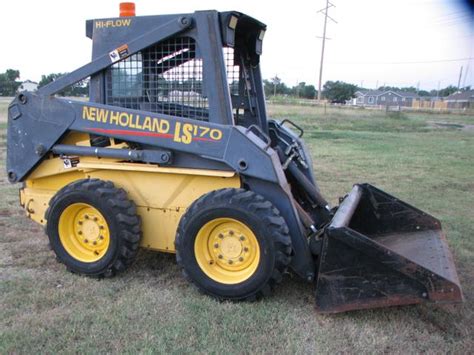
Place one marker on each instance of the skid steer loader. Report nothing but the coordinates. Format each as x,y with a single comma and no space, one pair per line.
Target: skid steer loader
174,152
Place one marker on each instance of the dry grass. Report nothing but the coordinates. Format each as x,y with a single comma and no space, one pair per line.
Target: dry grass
150,308
4,102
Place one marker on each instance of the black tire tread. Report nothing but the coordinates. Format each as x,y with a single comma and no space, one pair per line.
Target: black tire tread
125,211
266,212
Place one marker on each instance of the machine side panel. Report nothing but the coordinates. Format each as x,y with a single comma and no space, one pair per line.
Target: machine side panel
160,208
240,150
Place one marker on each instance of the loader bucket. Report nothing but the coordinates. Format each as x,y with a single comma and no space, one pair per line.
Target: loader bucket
379,251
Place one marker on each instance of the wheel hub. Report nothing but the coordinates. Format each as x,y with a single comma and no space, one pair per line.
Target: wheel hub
84,232
230,247
90,229
227,250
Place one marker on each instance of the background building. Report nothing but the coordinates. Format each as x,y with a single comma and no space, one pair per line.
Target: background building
28,85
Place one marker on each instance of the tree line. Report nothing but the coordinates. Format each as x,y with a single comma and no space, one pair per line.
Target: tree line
9,84
333,91
80,88
340,91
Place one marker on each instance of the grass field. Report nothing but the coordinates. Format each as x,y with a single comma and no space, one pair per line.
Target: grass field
150,307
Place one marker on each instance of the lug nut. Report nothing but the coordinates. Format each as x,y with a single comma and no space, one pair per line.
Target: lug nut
241,259
101,227
101,237
94,242
242,238
86,241
221,235
246,249
80,232
86,216
95,219
231,232
230,262
220,256
80,223
216,245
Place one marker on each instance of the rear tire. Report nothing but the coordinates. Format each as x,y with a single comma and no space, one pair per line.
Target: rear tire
93,228
233,244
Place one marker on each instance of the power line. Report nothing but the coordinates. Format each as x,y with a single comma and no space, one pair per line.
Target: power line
408,62
450,15
452,20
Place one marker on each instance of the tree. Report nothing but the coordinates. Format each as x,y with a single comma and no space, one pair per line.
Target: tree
424,93
267,87
298,89
448,90
410,89
276,81
303,90
395,88
338,91
387,88
8,83
275,86
46,79
80,88
309,92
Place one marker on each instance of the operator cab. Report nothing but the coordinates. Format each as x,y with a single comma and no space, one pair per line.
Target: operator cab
187,75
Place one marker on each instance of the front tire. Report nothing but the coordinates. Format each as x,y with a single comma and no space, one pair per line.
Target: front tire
93,228
233,244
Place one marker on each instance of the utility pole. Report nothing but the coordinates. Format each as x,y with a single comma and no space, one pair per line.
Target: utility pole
326,16
460,76
465,75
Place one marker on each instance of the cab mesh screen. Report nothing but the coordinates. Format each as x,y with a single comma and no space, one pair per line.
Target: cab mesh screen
164,78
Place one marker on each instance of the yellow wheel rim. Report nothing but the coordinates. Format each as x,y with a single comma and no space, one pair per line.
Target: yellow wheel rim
227,251
84,232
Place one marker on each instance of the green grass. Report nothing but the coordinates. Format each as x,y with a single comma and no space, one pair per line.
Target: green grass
150,308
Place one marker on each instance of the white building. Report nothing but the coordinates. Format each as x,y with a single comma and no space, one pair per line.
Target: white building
28,85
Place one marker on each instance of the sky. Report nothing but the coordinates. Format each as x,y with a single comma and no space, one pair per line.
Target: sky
420,43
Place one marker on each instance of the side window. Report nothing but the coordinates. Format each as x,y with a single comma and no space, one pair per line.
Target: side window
371,100
382,98
164,78
395,99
